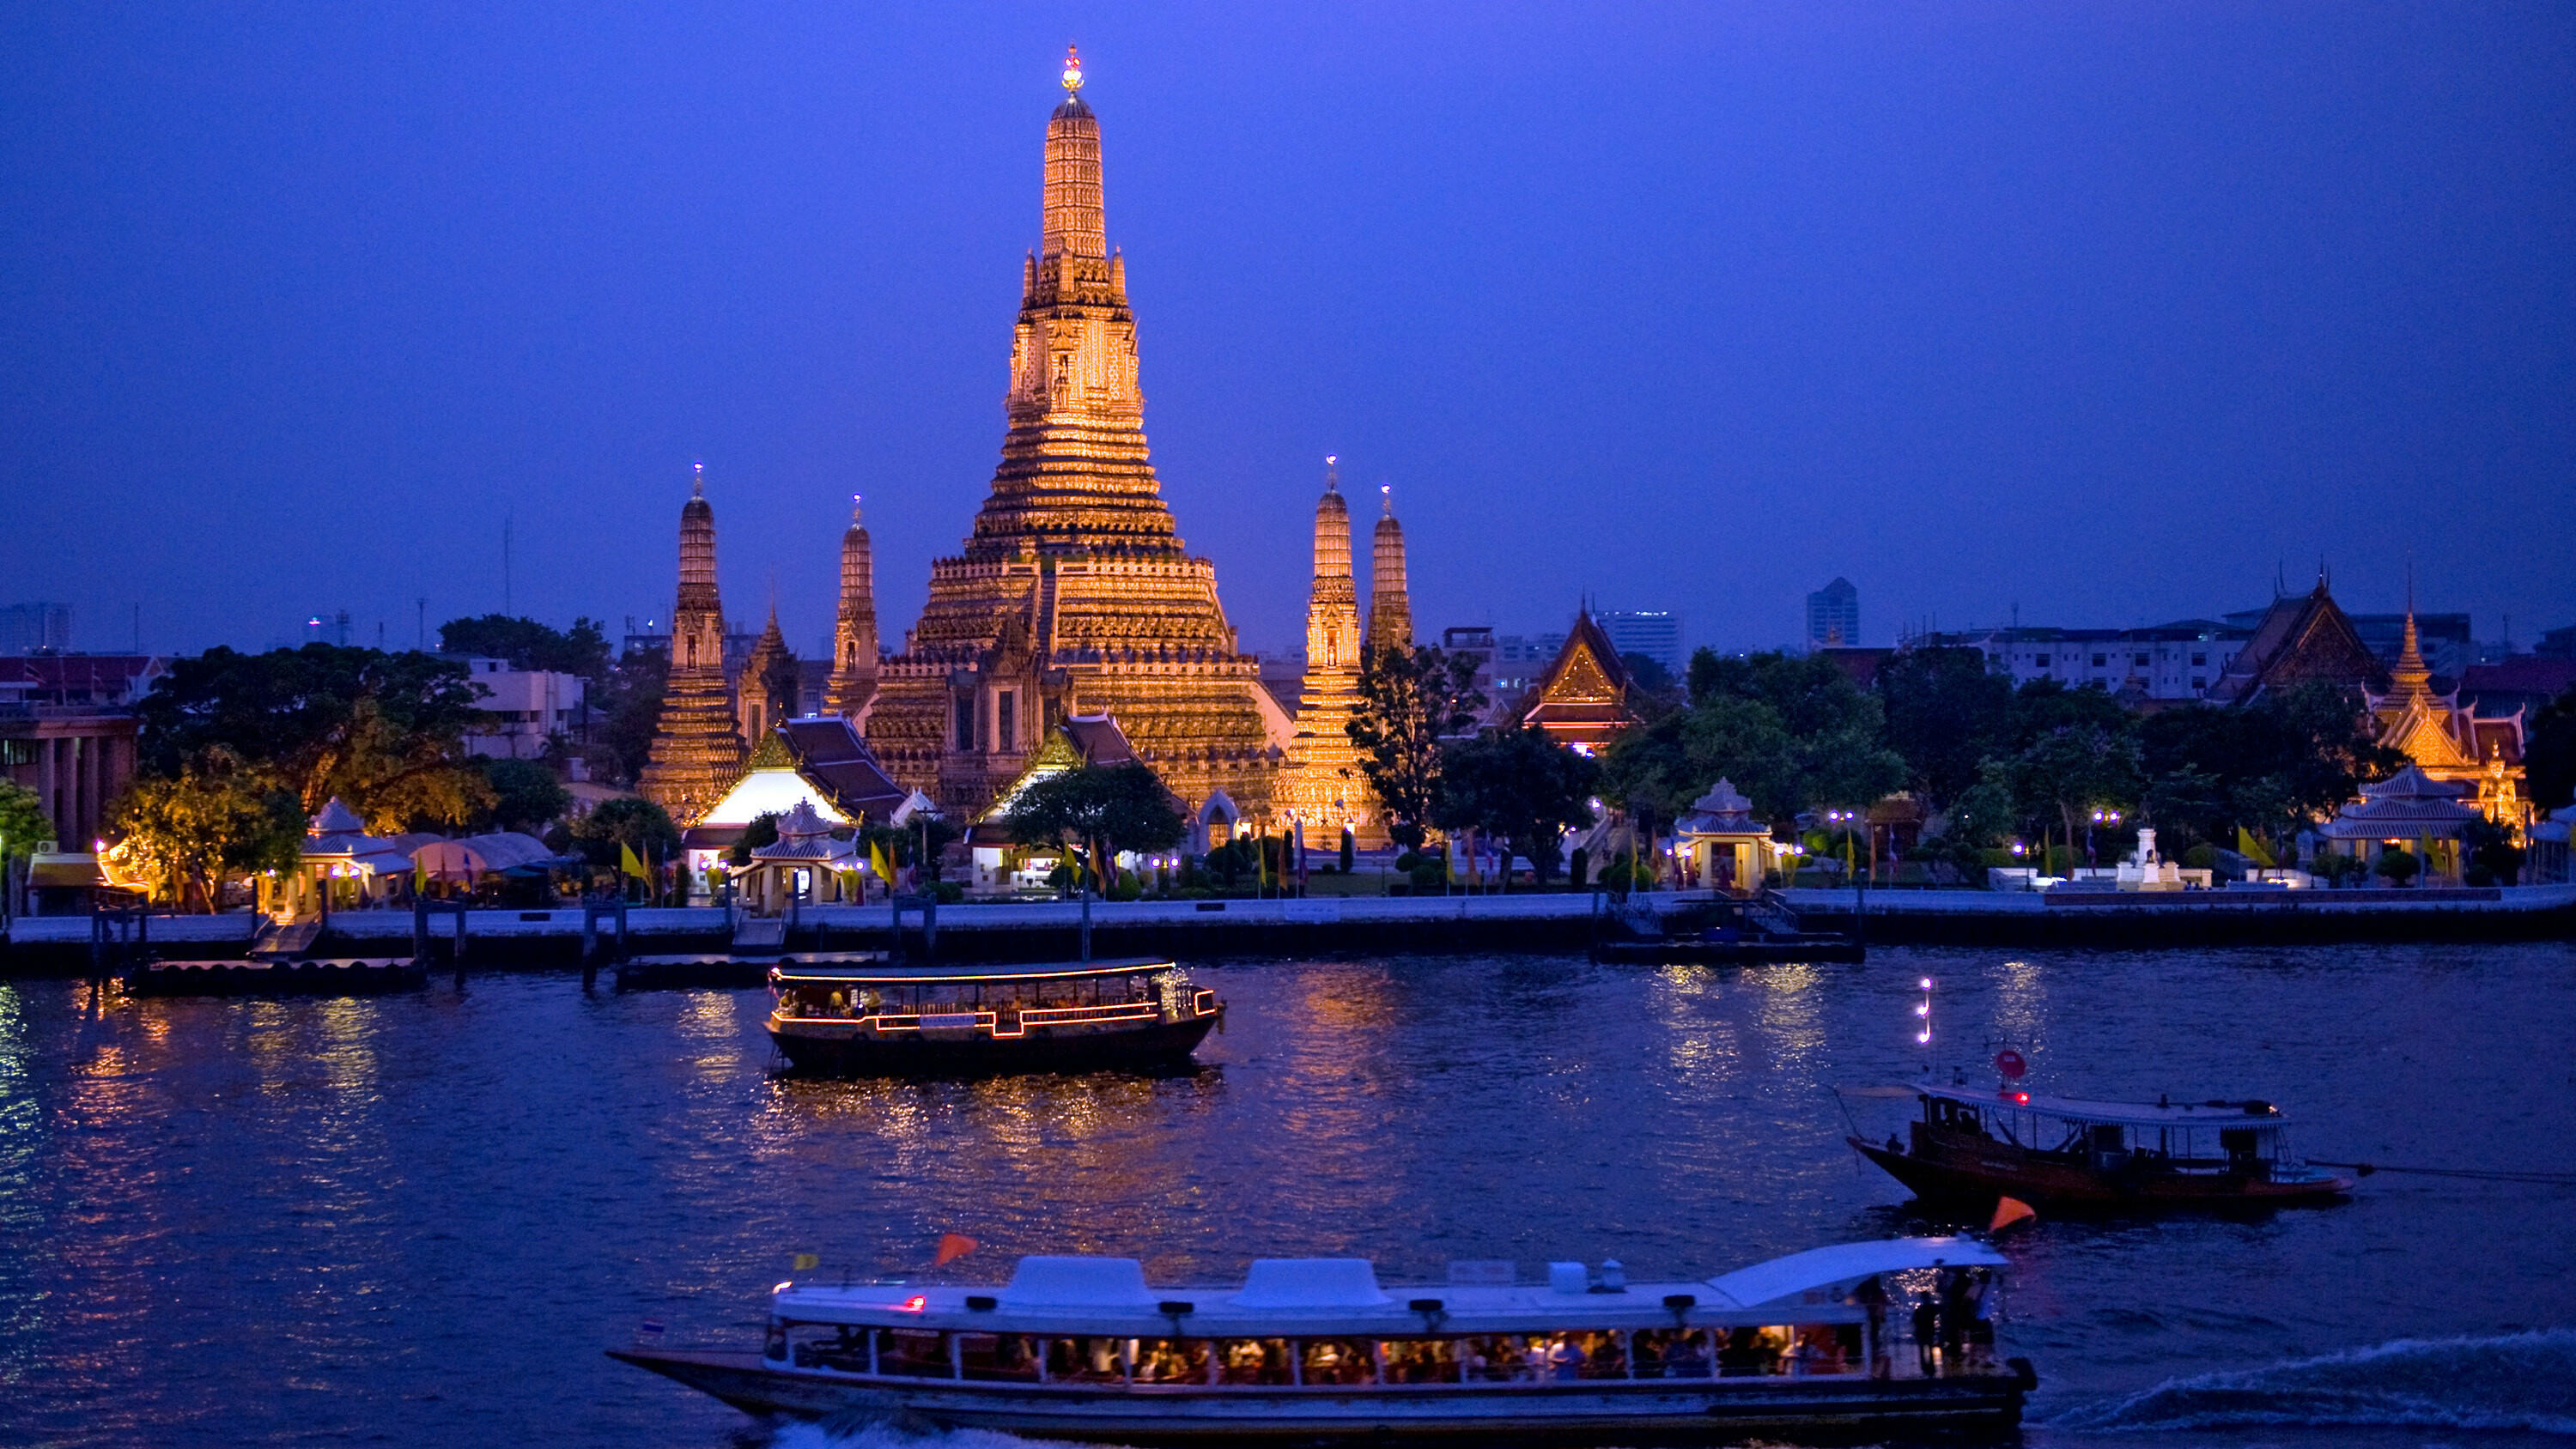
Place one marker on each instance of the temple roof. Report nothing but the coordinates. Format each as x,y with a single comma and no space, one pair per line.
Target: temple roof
830,753
2299,640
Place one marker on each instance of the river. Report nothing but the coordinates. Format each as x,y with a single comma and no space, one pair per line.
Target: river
417,1220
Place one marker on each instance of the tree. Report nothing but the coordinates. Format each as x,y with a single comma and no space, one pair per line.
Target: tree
1946,711
1793,734
1518,786
1410,700
760,832
2072,768
2549,753
215,819
2399,865
1106,808
527,644
630,710
637,824
526,796
24,825
383,731
2267,767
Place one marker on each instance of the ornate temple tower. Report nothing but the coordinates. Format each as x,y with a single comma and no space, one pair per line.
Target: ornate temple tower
697,751
753,708
1390,609
1074,593
1321,785
853,685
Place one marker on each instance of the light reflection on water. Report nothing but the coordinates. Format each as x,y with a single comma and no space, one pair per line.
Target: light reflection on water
420,1217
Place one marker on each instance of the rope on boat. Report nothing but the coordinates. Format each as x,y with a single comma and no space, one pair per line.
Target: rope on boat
2544,1179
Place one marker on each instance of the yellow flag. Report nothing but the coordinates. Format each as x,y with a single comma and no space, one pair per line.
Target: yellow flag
885,867
2252,849
627,862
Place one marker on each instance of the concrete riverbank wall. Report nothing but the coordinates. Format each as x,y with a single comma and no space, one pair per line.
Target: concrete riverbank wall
1046,931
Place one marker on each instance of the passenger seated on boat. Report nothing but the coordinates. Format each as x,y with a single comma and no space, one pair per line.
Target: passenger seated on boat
1602,1358
1671,1354
1533,1360
1172,1361
1566,1358
1745,1355
913,1354
1256,1361
1338,1361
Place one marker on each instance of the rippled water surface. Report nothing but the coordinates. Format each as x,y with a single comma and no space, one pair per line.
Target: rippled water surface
418,1220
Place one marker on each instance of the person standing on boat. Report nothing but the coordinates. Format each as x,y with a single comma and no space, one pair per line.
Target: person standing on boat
1566,1358
1871,1295
1927,1334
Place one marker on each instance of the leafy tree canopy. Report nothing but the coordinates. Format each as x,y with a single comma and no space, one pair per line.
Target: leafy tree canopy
24,825
1106,808
1410,701
527,644
636,823
2549,753
526,796
1518,786
382,731
1794,734
215,819
1946,711
628,709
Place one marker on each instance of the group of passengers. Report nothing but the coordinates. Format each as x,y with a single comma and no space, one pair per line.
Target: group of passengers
1954,1326
851,1004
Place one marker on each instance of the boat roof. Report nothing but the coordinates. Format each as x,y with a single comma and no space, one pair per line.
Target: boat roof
898,975
2213,1113
1313,1296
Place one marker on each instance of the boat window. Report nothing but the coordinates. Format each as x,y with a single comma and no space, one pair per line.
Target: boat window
1419,1360
1254,1361
1007,1356
1748,1352
1501,1356
822,1345
1172,1361
1084,1361
1673,1353
913,1353
1336,1361
1825,1348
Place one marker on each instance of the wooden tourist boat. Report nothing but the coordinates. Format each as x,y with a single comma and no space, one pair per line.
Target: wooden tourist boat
1313,1350
1972,1148
884,1019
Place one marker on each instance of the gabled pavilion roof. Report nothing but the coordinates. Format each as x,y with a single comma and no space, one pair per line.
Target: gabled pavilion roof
2299,640
1583,697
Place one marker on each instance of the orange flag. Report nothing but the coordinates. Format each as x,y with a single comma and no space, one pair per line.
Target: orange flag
2009,1211
953,1246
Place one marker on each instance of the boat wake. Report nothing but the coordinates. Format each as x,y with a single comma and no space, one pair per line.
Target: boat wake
857,1433
2522,1381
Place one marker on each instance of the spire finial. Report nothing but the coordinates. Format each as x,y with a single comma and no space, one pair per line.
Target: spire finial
854,507
1072,69
697,480
1386,498
1332,472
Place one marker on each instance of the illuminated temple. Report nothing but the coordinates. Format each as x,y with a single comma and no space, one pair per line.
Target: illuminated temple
1074,594
1321,786
697,744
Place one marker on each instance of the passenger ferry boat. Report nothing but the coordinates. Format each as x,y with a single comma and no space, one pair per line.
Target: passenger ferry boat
1974,1147
872,1018
1854,1342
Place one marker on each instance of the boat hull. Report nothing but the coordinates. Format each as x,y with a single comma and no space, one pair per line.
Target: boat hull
1821,1410
1979,1178
1044,1049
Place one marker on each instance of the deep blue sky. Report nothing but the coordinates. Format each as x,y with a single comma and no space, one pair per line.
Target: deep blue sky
2105,311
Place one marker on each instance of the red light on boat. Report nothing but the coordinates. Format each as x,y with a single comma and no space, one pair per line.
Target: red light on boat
2022,1097
915,1303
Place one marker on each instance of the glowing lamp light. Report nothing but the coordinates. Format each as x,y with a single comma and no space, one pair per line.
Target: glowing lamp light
783,1287
914,1304
2022,1097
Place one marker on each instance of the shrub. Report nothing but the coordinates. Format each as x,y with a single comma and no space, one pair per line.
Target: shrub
2399,865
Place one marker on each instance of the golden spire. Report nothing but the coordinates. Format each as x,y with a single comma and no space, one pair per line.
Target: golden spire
1390,624
2411,677
1073,221
1072,69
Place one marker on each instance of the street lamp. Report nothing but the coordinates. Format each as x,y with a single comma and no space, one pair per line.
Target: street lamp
2100,817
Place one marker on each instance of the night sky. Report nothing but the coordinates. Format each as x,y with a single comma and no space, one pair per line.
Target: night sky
2106,312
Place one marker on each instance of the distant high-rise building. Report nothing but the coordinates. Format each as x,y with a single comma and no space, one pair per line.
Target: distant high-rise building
33,628
1833,616
1654,633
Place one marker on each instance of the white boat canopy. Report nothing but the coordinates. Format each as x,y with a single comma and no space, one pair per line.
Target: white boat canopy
1078,1282
2126,1114
1829,1273
1311,1283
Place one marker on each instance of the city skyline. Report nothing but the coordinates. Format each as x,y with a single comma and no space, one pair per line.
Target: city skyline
2181,358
